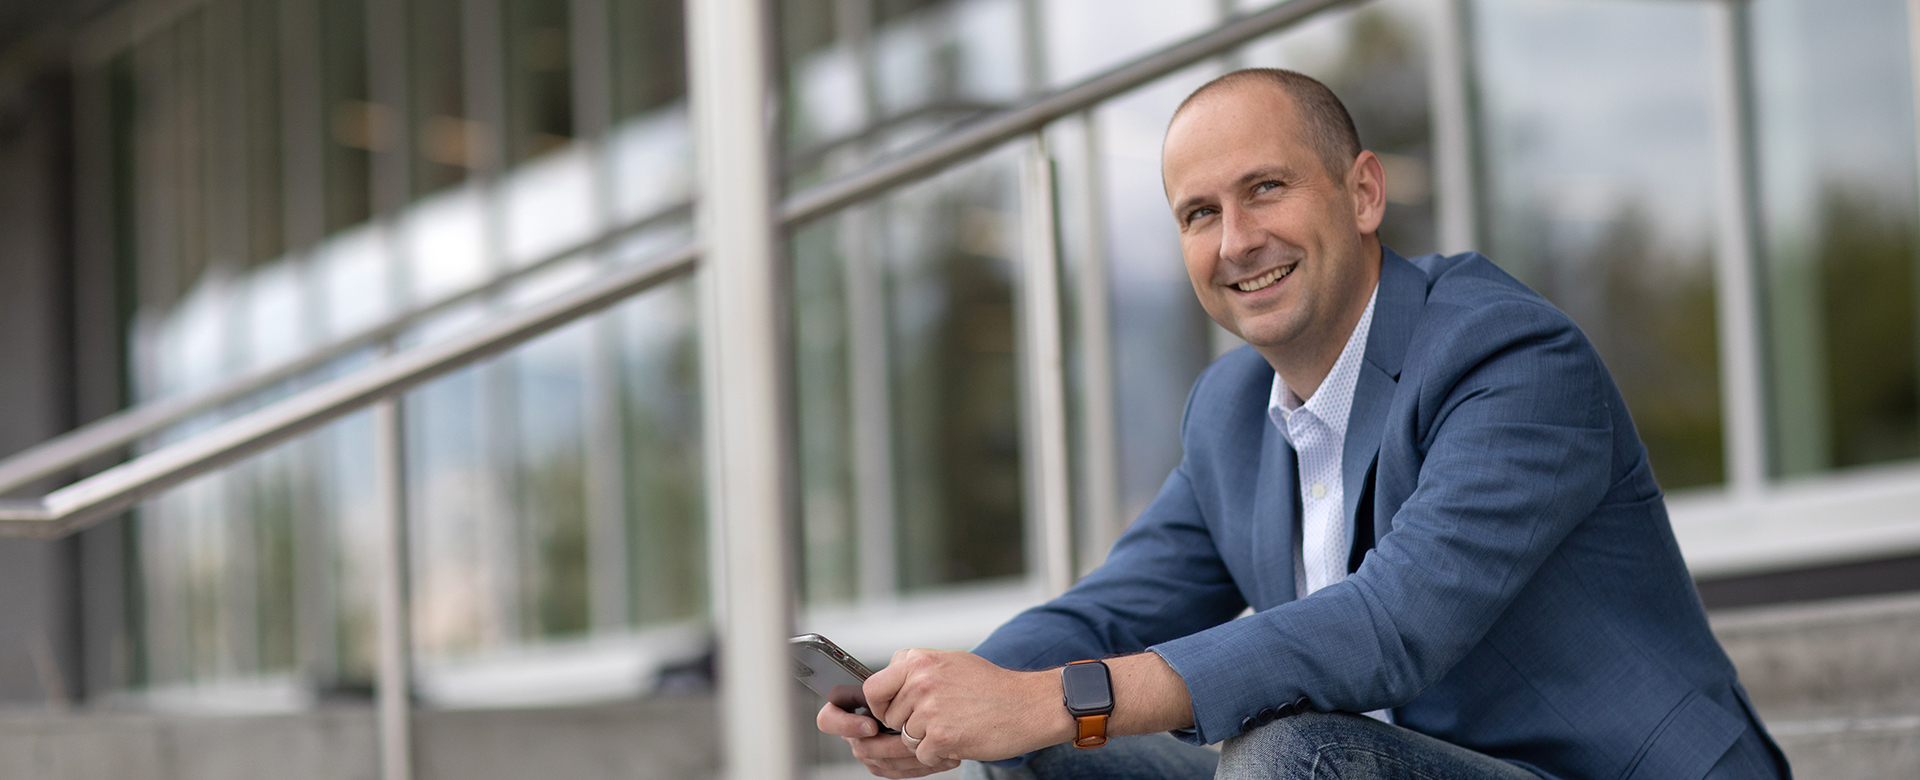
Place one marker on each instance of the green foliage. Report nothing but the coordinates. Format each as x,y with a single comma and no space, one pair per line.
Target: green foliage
1657,330
1866,254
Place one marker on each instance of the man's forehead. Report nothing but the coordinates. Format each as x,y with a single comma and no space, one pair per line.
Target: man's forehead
1231,114
1232,103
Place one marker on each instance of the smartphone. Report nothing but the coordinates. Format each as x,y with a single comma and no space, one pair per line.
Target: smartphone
833,674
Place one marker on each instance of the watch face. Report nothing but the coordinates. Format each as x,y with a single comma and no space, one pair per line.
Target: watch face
1087,688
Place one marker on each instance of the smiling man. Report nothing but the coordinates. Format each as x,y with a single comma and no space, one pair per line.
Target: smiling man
1418,475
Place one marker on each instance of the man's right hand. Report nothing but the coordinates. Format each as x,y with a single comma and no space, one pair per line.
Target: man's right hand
885,755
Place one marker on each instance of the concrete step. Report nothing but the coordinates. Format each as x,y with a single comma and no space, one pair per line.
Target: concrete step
1842,658
657,739
1883,747
1838,682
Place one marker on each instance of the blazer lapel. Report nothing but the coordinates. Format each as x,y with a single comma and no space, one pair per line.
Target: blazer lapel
1401,294
1276,512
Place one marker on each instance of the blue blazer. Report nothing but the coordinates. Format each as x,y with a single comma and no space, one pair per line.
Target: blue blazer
1523,597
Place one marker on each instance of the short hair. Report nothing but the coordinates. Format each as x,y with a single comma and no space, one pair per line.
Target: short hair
1329,128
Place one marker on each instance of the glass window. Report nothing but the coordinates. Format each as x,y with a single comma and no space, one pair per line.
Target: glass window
666,498
451,494
948,248
1837,177
539,64
265,207
353,122
1598,147
438,92
822,372
649,55
190,149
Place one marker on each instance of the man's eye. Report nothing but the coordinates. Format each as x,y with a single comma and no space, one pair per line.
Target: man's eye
1266,186
1199,214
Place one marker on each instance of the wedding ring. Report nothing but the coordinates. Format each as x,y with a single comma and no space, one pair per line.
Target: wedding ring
913,742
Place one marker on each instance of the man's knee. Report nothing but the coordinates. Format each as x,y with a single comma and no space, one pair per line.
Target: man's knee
1141,757
1288,747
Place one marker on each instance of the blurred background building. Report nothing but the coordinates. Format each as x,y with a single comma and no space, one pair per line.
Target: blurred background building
1723,195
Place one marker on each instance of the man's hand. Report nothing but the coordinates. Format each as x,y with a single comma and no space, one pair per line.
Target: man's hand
885,755
958,705
950,705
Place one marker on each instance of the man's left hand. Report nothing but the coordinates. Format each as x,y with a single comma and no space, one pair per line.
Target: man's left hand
959,705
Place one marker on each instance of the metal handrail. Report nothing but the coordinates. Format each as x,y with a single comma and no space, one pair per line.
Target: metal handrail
110,434
83,503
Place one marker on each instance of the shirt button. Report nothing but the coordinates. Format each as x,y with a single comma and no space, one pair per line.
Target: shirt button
1319,490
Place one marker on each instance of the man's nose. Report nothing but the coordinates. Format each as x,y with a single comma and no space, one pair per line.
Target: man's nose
1240,237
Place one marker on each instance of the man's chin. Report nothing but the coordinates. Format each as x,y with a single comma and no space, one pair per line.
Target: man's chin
1262,335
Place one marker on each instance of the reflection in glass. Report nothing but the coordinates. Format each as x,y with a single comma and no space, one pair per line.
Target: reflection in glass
821,378
666,513
1381,76
355,126
437,90
552,510
949,270
539,78
1836,138
448,486
1597,144
649,55
261,77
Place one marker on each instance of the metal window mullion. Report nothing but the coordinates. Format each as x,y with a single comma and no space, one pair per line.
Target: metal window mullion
869,386
224,117
104,607
390,129
609,600
1043,379
162,561
869,364
748,400
1736,254
1913,71
1452,82
483,85
302,126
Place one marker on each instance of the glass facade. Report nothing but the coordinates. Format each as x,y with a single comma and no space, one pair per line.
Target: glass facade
556,491
1835,126
1598,136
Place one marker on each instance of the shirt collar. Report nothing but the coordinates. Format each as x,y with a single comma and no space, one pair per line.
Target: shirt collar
1334,400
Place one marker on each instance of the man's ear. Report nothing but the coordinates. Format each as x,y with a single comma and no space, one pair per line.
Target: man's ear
1367,184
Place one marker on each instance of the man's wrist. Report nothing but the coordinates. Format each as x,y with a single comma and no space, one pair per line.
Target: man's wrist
1054,722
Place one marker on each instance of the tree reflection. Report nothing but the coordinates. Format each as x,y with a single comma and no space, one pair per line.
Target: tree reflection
1865,252
1649,309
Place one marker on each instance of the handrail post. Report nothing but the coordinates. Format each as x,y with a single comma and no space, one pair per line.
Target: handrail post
1043,370
394,685
749,396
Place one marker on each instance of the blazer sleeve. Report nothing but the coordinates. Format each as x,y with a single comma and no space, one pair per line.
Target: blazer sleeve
1512,443
1163,579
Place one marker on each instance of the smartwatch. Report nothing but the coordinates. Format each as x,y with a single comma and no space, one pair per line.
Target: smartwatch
1087,688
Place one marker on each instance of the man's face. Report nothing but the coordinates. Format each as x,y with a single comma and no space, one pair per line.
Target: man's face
1279,250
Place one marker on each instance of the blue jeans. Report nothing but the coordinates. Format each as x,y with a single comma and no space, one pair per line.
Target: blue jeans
1311,745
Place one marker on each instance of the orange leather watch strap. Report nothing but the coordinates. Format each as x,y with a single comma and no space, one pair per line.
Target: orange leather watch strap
1093,732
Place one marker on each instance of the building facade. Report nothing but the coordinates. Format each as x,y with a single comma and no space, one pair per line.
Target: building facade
1722,195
